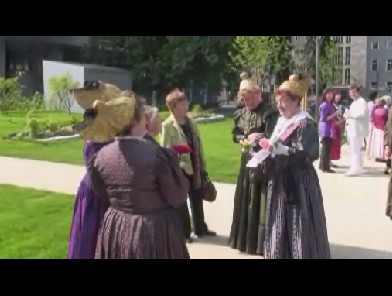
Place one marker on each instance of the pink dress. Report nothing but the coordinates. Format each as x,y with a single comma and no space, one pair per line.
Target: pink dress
336,135
376,144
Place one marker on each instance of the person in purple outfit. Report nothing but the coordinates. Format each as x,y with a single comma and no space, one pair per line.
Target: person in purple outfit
88,210
88,213
327,115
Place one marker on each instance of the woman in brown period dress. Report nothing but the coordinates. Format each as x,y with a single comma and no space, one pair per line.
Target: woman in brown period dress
142,182
296,225
255,119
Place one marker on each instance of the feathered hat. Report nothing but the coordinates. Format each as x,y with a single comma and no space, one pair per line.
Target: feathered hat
297,85
248,82
107,119
95,90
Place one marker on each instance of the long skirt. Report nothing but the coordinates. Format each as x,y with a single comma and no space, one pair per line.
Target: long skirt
248,225
87,217
296,224
389,200
126,235
336,142
376,147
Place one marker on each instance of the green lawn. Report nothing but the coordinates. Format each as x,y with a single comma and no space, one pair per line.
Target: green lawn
34,224
221,153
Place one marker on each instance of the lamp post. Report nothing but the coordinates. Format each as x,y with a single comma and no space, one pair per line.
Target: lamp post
318,40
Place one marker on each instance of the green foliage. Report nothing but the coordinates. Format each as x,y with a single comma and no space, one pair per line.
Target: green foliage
12,99
162,62
10,94
60,92
33,127
197,109
263,55
328,65
53,126
328,54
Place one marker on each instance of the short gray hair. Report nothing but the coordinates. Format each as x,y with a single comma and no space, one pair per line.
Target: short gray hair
151,112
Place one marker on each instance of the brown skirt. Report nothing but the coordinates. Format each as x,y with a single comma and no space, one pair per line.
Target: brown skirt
129,236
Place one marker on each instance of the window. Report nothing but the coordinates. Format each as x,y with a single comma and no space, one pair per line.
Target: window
347,78
389,65
338,39
374,65
348,39
348,56
339,56
296,38
375,45
18,62
373,85
389,86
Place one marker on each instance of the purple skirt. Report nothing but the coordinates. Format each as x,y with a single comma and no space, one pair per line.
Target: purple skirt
87,218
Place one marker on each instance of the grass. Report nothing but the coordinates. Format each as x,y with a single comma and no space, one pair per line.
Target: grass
33,223
222,155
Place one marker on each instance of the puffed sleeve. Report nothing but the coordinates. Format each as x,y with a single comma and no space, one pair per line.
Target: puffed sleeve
95,178
325,111
305,144
237,131
389,129
172,182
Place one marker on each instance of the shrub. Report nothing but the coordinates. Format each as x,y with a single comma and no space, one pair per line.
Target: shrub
197,109
10,94
33,127
53,127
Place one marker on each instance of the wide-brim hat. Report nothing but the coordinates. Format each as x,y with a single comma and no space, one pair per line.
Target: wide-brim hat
105,120
95,90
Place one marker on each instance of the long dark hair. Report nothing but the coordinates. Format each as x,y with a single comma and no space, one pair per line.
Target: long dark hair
324,94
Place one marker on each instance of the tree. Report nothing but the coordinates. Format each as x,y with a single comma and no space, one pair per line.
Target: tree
263,55
163,62
60,92
328,58
10,94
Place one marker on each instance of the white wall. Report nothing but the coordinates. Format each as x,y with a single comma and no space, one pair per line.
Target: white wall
51,69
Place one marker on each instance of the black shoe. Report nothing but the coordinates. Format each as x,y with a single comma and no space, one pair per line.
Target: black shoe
386,171
207,233
329,171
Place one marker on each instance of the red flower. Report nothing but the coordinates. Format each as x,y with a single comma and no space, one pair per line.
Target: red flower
182,148
264,143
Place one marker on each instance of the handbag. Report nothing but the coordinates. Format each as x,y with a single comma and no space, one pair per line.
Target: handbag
208,190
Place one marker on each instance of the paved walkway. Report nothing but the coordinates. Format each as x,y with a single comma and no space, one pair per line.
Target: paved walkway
355,206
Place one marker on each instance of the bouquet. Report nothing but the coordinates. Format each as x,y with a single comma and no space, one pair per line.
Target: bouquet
181,148
245,145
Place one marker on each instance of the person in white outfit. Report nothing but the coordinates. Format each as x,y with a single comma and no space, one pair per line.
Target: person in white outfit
357,129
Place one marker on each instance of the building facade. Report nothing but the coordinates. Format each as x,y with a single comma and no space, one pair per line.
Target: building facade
364,60
23,56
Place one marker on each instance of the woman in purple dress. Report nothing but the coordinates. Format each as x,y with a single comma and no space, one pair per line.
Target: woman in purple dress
327,117
88,210
88,213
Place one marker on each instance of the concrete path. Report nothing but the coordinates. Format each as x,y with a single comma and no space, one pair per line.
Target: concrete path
355,206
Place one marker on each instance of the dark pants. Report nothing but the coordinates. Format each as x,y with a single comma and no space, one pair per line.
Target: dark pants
388,164
325,157
196,203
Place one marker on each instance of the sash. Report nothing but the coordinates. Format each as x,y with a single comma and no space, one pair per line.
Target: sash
283,129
